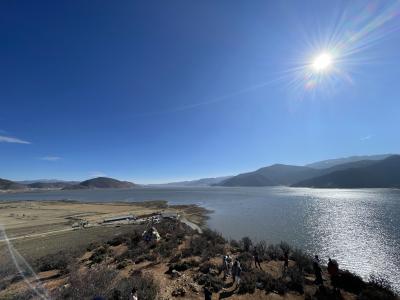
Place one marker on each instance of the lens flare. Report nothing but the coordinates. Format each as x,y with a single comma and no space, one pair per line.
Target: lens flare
322,63
336,48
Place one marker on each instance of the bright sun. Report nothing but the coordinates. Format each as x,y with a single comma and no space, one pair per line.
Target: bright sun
322,62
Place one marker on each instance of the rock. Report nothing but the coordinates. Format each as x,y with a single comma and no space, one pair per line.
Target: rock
175,274
179,292
194,288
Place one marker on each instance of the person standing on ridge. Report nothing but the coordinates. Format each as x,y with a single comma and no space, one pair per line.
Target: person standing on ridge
207,293
133,295
257,262
286,261
317,271
333,270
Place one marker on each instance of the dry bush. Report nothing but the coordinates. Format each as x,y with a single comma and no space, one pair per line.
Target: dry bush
296,282
59,261
285,247
89,283
214,282
349,282
261,248
99,254
246,261
209,244
248,282
273,252
378,288
303,260
246,244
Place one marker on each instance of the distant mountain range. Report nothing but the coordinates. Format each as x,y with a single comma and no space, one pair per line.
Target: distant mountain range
95,183
27,182
337,161
351,174
199,182
374,171
379,174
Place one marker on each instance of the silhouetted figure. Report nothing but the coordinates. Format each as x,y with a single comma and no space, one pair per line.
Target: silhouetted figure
236,272
286,260
116,295
133,295
333,270
317,271
257,261
207,293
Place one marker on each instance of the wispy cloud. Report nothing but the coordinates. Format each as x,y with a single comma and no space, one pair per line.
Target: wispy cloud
366,138
50,158
9,139
97,174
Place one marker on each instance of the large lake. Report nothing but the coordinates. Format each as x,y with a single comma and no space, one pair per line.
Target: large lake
360,228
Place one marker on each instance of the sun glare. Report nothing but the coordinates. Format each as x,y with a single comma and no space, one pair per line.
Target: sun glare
322,62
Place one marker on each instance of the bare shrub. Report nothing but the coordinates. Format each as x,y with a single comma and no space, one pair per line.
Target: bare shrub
247,283
99,254
273,252
349,282
380,282
296,282
147,288
246,261
378,288
234,244
303,260
246,244
90,283
261,248
209,244
214,282
285,247
59,261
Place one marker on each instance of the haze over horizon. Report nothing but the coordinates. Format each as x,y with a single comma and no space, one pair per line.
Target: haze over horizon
146,93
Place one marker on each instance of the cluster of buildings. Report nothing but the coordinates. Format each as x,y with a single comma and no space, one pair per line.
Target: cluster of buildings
131,219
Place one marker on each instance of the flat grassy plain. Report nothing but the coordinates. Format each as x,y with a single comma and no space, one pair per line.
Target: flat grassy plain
39,228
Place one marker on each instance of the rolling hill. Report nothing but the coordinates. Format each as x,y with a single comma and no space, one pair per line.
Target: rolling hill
6,185
324,164
380,174
101,183
51,185
288,175
195,183
277,174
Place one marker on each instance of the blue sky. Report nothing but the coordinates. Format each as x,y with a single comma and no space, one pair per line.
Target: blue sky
154,91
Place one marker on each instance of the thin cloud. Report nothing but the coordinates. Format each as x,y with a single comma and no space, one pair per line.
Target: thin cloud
9,139
367,137
50,158
97,174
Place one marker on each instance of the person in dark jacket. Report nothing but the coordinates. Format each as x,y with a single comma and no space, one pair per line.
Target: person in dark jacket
317,271
257,261
207,293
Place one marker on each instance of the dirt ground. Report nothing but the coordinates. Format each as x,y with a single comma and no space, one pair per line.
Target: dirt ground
38,228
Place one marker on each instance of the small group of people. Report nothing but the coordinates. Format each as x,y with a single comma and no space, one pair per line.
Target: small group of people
231,268
333,271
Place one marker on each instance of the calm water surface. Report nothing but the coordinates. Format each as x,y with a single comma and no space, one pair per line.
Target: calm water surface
359,228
